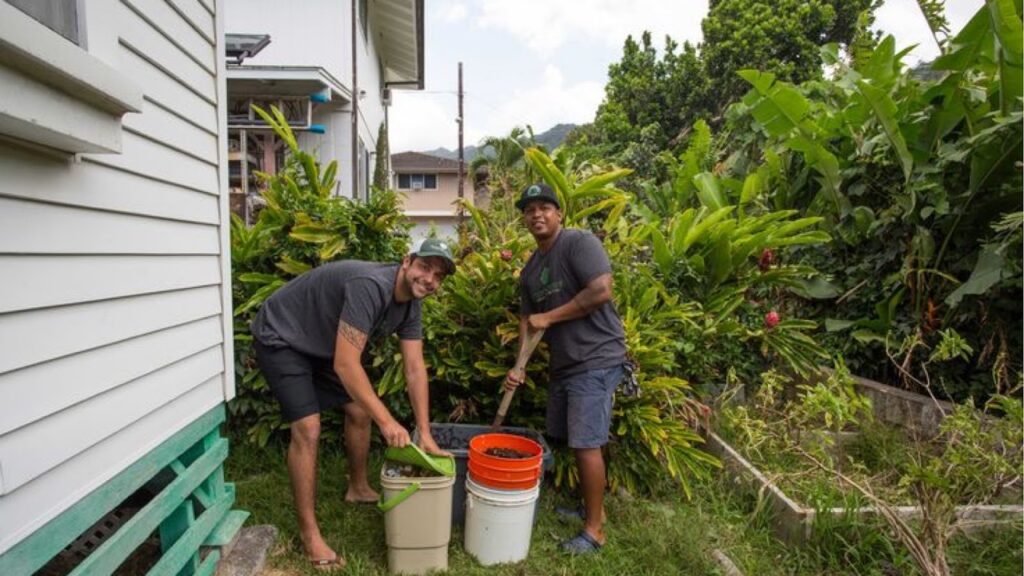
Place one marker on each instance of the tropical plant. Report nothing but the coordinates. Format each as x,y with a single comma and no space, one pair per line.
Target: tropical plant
503,158
303,225
910,177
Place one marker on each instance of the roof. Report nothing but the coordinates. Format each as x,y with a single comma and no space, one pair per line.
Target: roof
420,162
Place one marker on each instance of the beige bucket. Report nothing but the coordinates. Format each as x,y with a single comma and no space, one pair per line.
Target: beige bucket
418,527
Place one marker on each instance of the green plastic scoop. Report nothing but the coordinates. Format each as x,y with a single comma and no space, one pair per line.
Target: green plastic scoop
414,455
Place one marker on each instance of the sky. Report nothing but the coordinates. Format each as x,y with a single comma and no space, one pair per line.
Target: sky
544,62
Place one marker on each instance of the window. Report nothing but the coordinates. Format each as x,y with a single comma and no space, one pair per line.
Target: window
68,100
61,16
417,181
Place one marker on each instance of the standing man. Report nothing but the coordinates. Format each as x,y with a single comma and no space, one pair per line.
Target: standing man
566,289
309,338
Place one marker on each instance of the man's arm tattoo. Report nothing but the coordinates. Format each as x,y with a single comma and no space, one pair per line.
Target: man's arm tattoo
355,336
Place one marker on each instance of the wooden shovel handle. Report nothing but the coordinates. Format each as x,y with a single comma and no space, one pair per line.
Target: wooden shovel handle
532,339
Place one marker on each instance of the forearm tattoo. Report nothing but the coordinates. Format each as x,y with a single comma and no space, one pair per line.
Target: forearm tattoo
355,336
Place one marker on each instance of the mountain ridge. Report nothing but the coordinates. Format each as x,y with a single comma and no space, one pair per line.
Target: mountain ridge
550,139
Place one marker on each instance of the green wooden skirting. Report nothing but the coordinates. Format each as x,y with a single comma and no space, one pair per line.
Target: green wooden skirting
193,510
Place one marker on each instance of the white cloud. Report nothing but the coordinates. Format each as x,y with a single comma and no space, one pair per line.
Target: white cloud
542,106
423,121
544,26
455,12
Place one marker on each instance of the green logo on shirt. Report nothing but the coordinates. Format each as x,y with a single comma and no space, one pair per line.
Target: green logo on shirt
547,286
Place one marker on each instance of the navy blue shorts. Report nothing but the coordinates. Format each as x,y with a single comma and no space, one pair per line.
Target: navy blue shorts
580,407
301,384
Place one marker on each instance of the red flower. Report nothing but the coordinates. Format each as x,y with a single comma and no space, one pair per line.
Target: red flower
766,260
771,319
506,255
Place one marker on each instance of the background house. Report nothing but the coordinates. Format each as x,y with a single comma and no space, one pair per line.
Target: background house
115,309
307,69
431,187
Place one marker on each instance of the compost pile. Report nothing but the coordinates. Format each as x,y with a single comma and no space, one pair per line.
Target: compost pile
394,469
507,453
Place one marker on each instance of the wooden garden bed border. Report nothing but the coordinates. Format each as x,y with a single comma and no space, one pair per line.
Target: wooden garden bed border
794,523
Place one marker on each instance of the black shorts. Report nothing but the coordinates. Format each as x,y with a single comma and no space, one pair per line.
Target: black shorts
302,385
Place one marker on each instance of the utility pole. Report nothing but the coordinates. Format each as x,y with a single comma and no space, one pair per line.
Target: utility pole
355,104
462,159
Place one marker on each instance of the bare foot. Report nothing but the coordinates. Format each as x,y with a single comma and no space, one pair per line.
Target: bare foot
321,555
361,494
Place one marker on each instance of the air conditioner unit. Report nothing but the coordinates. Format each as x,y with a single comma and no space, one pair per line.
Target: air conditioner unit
385,97
298,111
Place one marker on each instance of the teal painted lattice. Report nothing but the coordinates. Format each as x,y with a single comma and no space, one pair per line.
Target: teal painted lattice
192,510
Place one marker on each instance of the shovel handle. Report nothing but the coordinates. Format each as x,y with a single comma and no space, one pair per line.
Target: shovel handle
532,339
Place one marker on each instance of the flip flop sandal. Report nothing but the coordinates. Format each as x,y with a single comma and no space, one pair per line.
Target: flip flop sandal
582,543
328,564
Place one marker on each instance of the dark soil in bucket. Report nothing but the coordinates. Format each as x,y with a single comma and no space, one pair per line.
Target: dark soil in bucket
507,453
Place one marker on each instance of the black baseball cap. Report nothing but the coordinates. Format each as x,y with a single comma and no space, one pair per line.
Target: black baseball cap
435,247
537,191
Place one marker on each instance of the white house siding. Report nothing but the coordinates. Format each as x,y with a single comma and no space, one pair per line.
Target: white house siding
115,292
319,33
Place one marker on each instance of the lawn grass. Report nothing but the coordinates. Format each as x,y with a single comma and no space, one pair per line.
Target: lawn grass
645,537
664,534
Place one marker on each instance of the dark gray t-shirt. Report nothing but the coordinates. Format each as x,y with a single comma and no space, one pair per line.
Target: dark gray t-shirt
304,313
549,280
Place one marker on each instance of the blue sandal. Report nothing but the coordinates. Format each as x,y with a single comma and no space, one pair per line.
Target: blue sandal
582,543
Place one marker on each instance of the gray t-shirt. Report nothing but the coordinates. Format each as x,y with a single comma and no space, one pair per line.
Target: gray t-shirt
551,279
304,313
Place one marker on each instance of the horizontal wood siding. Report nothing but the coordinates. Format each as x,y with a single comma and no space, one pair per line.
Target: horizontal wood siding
112,309
41,179
28,508
75,378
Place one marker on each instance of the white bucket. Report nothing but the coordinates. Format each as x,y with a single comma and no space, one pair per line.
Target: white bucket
499,523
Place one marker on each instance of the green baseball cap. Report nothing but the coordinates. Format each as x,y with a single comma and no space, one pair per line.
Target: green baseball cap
435,247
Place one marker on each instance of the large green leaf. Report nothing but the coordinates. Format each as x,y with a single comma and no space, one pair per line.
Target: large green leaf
816,288
987,272
781,107
720,259
966,46
599,181
708,191
1006,22
999,146
662,256
313,233
880,68
885,111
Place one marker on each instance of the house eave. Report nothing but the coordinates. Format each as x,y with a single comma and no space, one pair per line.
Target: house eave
398,29
250,80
